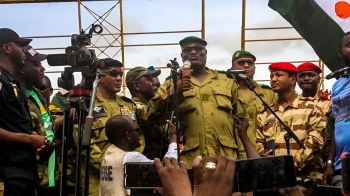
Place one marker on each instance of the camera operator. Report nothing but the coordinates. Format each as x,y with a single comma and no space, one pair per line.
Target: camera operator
107,104
340,138
304,118
17,140
33,74
56,109
123,134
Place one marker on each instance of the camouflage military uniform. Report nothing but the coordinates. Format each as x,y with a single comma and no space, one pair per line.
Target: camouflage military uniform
250,111
56,109
324,102
103,110
38,127
207,109
307,121
153,137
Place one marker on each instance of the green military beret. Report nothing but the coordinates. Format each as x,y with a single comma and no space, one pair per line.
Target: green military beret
190,40
241,53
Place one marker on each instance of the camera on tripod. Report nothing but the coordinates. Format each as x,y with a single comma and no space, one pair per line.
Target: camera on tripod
78,57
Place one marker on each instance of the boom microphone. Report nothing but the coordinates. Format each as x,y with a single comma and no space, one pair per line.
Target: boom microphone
337,73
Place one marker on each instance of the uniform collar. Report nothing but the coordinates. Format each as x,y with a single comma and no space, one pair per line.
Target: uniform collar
293,104
101,98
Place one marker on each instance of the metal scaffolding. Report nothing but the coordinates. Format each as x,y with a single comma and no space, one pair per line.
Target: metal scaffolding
118,37
244,41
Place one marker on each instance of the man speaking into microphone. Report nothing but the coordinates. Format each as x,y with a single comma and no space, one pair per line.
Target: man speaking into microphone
206,103
248,103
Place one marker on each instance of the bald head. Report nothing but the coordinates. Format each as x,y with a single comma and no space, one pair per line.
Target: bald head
117,126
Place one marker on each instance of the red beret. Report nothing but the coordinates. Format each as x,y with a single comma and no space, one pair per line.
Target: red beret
283,66
309,67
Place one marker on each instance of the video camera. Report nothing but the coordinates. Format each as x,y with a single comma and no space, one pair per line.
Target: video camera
79,58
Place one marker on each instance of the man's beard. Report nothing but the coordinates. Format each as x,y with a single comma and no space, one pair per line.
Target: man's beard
17,64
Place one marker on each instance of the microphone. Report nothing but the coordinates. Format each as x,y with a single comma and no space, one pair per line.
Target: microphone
187,64
337,73
236,73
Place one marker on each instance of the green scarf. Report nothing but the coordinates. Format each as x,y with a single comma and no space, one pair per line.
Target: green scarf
50,135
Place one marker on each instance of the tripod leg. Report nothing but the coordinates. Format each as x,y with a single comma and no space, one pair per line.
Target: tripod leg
64,155
79,154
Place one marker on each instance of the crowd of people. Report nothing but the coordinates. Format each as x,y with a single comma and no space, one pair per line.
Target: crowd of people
221,120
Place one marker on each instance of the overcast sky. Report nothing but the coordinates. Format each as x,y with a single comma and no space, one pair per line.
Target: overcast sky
223,31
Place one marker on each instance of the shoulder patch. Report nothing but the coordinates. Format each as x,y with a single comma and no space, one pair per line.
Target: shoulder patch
265,86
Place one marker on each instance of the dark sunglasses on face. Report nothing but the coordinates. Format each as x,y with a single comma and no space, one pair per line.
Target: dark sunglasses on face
114,73
242,63
188,49
305,182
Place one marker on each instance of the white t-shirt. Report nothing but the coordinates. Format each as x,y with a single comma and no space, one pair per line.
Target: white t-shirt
112,174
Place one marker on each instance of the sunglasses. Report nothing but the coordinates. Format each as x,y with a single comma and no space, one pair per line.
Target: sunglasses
114,73
305,182
138,130
188,49
242,63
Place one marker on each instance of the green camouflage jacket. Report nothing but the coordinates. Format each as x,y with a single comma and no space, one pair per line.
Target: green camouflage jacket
38,127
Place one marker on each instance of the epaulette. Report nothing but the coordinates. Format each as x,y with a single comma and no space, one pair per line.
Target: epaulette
126,99
168,78
326,96
63,92
265,86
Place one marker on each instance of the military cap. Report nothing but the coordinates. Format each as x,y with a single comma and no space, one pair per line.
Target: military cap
33,55
109,63
284,66
309,67
190,40
242,53
137,72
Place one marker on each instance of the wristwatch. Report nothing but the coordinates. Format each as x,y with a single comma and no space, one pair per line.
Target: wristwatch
330,162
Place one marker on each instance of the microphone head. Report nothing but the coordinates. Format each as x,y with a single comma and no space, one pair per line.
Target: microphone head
187,64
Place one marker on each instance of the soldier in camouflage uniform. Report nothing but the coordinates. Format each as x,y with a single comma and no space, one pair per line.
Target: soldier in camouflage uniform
142,87
304,118
41,118
206,102
309,81
248,103
107,104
